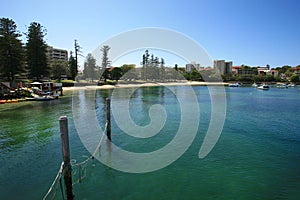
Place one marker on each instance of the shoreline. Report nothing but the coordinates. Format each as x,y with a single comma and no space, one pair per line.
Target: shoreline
130,85
190,83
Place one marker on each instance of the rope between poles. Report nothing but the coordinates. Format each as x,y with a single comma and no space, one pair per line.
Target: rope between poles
59,174
56,178
93,155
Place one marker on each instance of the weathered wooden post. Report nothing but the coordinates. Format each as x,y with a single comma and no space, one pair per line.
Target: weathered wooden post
108,129
64,136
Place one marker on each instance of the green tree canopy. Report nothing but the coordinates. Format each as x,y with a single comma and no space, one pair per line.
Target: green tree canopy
58,68
72,66
89,67
245,66
283,69
295,78
105,61
129,71
77,53
153,67
115,73
11,50
36,49
126,68
195,75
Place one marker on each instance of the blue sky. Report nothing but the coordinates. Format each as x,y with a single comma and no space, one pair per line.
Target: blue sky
251,32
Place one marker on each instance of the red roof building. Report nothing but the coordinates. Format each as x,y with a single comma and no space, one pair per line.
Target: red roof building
296,70
235,69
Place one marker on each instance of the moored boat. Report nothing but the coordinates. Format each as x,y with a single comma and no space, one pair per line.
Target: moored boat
44,98
282,85
29,98
234,85
263,87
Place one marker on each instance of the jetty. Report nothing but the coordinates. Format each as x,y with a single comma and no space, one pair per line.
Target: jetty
35,91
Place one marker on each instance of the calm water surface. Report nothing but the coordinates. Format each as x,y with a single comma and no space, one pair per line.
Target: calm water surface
256,157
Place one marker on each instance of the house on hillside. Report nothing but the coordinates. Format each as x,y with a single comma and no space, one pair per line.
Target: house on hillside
243,71
263,71
235,69
296,70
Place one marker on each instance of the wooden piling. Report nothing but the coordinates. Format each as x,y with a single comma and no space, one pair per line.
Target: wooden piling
108,129
67,169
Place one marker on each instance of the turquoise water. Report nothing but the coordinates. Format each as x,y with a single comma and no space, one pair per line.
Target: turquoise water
256,157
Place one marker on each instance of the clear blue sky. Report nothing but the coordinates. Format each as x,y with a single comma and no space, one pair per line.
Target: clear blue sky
251,32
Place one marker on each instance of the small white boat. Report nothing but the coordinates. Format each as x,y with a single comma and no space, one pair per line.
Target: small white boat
234,85
30,99
263,87
291,85
43,98
254,85
282,85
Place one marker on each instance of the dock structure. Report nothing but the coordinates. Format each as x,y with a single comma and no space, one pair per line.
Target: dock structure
64,135
108,128
67,169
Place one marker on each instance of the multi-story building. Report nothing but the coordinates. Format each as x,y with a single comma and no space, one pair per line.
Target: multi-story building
190,66
56,54
243,71
223,66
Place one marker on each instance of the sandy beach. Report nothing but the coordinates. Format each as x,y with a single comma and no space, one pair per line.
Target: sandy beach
191,83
